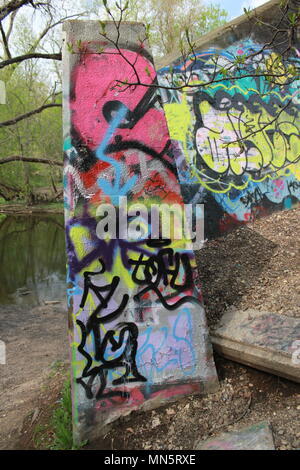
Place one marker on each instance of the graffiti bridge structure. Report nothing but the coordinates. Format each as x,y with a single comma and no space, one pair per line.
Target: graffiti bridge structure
138,330
137,324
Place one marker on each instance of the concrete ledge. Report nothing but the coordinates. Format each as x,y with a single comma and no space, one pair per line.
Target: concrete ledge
262,340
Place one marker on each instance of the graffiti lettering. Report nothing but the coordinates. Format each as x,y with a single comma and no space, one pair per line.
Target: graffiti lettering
159,267
209,126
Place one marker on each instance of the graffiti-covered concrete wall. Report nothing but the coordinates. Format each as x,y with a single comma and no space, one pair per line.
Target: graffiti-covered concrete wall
137,325
208,123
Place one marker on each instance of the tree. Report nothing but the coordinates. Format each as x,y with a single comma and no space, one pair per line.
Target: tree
168,21
30,124
31,138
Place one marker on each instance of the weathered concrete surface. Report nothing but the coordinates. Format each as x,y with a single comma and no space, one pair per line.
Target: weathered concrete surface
257,437
262,340
138,329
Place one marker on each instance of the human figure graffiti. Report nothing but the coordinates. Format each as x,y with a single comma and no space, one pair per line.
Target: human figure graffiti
126,342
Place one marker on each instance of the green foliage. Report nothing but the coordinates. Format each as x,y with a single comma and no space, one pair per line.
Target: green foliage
70,48
293,17
167,23
39,136
28,87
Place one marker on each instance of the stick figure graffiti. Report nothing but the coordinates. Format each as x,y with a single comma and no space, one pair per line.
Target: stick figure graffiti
125,344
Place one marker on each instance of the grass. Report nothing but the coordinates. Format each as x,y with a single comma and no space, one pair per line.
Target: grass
62,421
57,434
38,434
57,366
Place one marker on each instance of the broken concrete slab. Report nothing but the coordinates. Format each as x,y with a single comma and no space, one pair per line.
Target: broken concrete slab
257,437
263,340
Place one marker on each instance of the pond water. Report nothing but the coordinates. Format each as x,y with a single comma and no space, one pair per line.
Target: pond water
32,259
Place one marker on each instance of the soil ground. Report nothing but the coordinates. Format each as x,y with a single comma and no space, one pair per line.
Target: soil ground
256,266
36,344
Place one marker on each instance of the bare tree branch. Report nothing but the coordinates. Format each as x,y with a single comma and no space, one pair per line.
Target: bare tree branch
35,55
11,24
267,124
51,26
5,43
30,113
12,6
19,158
10,188
187,84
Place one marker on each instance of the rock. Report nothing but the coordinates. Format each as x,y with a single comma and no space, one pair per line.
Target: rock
296,443
257,437
35,415
155,422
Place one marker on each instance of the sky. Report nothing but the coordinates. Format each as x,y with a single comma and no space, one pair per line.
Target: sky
236,7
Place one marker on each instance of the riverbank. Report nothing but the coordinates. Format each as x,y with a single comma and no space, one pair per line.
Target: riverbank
36,342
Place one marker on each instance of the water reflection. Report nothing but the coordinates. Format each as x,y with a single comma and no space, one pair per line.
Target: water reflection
32,259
